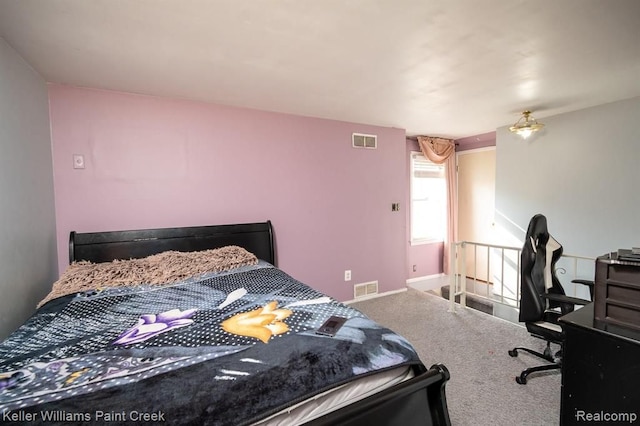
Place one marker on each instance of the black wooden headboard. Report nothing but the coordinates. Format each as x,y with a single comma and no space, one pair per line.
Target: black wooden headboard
107,246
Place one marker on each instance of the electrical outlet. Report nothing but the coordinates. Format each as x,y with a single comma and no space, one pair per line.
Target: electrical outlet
347,275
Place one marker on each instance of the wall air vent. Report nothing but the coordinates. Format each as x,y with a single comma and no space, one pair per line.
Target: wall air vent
365,289
360,140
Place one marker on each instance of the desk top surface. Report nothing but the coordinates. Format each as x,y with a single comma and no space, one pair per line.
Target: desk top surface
584,318
621,257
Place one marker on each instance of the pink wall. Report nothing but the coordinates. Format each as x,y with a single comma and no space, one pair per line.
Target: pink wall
477,141
153,162
427,259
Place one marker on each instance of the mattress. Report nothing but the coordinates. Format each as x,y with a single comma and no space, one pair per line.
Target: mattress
337,398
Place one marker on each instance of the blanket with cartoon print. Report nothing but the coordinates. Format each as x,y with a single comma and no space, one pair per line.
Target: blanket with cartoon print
224,348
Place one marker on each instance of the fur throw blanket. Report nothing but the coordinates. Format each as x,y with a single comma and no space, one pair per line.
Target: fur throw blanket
163,268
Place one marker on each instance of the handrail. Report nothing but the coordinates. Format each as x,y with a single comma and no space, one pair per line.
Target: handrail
488,245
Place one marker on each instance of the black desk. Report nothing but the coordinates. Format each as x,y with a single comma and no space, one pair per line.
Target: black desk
600,371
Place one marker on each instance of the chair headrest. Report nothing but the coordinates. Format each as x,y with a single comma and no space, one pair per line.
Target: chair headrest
537,226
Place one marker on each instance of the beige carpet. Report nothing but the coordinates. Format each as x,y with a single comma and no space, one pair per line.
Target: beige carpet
473,346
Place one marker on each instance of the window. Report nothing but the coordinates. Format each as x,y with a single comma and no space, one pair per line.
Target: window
428,200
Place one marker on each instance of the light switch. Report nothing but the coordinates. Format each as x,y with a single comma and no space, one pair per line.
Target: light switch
78,161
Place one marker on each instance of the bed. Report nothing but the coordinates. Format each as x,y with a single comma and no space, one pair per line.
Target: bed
197,325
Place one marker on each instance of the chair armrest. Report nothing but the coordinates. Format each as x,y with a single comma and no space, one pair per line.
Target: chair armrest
588,283
565,299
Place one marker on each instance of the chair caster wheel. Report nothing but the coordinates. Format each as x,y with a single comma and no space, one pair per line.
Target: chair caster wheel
513,352
521,380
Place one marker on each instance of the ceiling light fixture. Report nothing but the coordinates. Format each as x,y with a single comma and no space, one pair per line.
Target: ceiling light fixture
526,125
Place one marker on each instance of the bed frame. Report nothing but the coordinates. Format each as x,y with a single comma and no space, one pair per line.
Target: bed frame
417,401
97,247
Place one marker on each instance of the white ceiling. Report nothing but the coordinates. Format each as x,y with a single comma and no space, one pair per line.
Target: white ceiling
450,68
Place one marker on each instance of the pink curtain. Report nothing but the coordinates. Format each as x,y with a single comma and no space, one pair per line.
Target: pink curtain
442,151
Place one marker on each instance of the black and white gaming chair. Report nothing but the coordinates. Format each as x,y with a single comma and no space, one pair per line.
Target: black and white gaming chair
542,297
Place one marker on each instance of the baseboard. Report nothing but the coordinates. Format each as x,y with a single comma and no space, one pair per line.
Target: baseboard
374,296
424,278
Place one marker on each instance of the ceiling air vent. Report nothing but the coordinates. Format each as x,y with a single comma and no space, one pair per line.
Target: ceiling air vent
360,140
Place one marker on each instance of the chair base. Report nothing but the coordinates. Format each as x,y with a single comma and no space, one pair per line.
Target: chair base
546,355
522,378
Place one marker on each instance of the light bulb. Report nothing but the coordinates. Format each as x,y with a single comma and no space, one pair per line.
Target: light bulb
525,133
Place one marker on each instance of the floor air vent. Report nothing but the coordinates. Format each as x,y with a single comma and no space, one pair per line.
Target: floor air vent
360,140
365,289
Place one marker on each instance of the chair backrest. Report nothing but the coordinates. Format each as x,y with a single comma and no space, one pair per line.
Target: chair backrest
540,253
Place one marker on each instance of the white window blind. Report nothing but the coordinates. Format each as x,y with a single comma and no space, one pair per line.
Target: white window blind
428,200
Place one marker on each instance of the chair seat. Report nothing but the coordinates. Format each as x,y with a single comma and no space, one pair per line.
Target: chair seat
545,330
546,326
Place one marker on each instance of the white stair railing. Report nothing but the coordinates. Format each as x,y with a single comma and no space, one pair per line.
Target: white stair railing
500,275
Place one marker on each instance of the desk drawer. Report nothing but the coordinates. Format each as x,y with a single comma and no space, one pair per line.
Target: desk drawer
617,293
626,292
623,315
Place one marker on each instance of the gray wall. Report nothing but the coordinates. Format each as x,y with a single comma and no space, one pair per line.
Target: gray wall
27,217
582,172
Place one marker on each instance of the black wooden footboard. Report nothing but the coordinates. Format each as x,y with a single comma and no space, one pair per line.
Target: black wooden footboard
418,401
